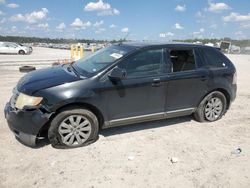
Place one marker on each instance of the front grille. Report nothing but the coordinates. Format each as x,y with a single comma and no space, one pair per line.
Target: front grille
14,98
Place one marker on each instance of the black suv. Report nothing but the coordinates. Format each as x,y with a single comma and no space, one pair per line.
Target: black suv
121,84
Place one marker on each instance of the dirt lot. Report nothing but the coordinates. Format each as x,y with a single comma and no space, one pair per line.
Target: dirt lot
139,155
40,58
38,54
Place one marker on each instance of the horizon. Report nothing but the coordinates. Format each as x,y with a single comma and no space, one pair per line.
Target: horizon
114,20
92,39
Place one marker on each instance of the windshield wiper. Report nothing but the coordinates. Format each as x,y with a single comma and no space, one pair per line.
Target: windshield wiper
71,68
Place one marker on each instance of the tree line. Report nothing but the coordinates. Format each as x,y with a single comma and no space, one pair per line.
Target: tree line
241,43
21,39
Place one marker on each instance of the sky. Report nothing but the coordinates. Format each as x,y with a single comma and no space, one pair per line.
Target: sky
134,19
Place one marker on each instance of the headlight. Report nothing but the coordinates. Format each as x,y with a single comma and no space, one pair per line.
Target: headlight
25,100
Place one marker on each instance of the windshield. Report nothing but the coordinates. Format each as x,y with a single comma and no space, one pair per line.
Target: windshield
100,59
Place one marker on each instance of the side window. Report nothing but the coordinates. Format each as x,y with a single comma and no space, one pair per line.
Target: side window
213,59
146,63
12,46
182,60
8,45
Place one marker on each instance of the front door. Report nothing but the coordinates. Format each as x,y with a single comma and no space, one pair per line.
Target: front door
142,95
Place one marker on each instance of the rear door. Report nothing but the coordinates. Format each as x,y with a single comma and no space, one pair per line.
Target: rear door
187,80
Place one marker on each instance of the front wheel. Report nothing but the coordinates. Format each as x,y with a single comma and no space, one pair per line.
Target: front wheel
73,128
211,108
21,52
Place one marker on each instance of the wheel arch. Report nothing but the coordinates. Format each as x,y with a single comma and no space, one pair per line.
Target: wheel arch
227,95
43,131
199,114
88,106
223,91
21,50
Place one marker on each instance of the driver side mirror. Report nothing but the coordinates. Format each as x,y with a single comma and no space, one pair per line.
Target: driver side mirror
117,74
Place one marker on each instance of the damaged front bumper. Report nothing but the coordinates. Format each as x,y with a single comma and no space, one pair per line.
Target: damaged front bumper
25,124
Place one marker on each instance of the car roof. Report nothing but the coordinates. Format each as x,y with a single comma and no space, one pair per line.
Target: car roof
155,44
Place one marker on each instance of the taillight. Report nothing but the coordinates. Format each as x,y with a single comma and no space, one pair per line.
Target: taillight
235,78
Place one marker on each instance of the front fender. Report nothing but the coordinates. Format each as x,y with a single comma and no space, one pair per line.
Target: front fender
79,92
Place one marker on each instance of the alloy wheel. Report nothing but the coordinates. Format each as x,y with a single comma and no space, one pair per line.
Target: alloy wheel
74,130
213,109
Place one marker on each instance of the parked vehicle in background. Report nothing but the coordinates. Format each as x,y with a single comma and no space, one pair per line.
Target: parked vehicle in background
30,47
225,46
228,47
14,48
209,44
246,50
234,49
118,85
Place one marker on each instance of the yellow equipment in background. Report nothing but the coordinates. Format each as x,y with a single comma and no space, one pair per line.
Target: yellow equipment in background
92,49
76,51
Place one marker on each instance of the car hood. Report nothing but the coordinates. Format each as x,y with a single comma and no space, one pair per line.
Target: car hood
45,78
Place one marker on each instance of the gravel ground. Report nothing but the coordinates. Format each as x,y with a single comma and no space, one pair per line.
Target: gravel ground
139,155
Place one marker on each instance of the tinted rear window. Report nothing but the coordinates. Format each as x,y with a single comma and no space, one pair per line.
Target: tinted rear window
213,58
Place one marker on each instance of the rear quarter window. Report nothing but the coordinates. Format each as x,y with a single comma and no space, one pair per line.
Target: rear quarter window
213,58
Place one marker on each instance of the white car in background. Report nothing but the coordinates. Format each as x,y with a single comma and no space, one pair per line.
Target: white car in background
14,48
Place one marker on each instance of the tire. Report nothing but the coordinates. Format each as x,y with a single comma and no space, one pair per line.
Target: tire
27,68
55,64
205,111
21,52
60,135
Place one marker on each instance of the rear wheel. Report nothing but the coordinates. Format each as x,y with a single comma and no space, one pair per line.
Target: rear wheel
73,128
211,108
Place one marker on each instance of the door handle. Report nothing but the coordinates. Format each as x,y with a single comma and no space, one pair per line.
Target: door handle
156,82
